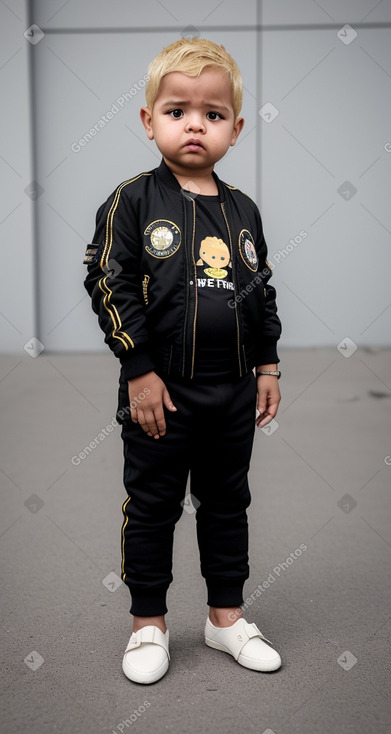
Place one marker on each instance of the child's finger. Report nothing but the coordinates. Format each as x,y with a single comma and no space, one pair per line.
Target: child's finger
262,401
134,415
263,420
160,422
272,409
148,423
167,400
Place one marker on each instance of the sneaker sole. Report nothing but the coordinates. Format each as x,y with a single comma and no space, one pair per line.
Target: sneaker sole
261,667
143,677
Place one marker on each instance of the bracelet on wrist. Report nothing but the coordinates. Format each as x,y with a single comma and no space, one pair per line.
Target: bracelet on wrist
275,373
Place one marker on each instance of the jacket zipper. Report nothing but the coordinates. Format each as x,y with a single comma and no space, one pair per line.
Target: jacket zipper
169,361
187,291
195,291
187,295
234,276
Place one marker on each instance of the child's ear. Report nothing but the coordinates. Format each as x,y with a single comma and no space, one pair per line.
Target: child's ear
146,119
238,127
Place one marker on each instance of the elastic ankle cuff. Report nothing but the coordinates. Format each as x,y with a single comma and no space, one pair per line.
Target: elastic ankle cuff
148,602
227,595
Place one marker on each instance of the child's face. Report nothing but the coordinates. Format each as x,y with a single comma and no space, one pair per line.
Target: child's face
214,252
192,121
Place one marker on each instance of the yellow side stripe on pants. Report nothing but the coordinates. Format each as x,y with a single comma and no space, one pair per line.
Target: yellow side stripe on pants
124,524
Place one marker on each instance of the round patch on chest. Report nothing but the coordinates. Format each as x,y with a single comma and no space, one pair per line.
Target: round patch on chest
247,250
163,238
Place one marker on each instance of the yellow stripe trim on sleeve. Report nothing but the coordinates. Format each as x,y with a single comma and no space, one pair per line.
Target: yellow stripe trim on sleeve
117,333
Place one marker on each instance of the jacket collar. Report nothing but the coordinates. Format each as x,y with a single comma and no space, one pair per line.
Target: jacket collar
168,178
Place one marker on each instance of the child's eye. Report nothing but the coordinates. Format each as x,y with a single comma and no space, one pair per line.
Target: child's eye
214,116
177,114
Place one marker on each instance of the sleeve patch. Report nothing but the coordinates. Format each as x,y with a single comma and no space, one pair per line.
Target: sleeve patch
93,253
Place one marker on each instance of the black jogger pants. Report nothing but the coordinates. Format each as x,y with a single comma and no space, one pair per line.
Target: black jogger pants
211,436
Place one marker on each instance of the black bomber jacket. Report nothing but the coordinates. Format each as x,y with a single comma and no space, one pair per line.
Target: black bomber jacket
142,276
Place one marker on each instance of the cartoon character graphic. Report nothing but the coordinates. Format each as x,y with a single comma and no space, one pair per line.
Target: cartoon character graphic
214,252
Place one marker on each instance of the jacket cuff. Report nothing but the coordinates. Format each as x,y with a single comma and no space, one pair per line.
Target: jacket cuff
134,365
267,354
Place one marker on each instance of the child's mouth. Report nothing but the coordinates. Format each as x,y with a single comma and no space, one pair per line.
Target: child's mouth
194,145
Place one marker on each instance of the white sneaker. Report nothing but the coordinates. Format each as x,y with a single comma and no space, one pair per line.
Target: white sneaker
245,643
146,657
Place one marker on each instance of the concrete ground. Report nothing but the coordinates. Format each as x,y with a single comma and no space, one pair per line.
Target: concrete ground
320,560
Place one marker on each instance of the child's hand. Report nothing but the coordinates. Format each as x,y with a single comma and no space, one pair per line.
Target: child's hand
269,397
149,413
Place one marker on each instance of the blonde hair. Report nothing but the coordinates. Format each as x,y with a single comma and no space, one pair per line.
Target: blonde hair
190,56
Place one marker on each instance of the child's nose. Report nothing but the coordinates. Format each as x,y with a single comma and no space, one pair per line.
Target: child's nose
195,124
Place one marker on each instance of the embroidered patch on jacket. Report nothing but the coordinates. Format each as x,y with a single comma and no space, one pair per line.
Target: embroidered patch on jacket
92,253
163,238
247,250
145,288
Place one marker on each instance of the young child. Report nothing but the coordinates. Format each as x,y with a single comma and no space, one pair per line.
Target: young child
178,276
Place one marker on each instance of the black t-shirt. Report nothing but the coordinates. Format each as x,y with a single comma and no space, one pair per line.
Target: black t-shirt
215,346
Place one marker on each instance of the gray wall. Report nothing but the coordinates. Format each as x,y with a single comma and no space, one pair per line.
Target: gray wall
17,272
332,94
